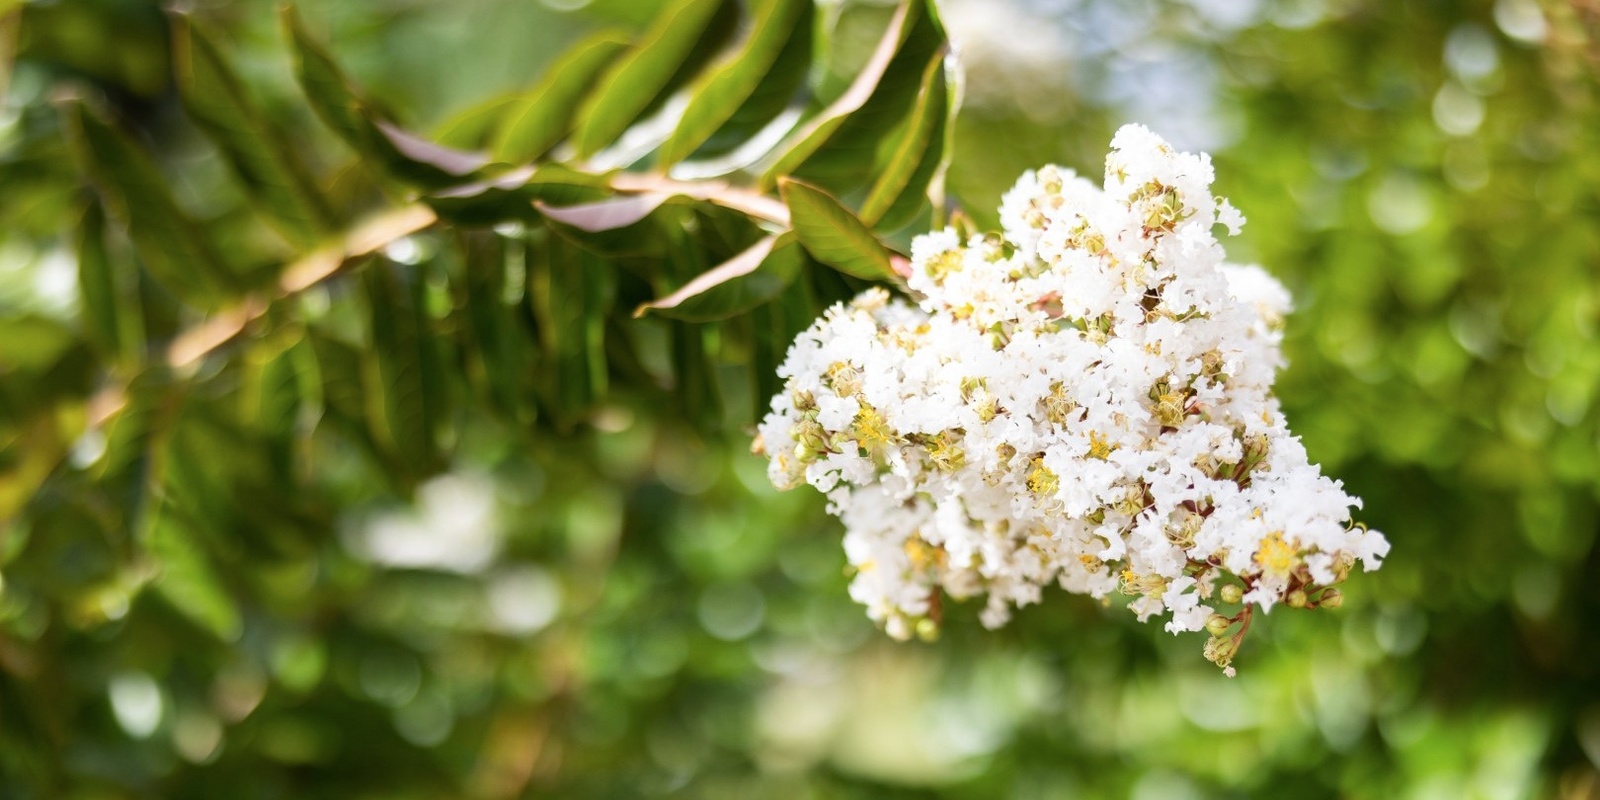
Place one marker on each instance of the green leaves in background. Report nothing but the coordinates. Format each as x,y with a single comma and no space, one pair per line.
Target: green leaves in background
833,235
272,173
684,36
171,245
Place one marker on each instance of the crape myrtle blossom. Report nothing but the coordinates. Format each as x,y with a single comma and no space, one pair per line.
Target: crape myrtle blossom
1083,399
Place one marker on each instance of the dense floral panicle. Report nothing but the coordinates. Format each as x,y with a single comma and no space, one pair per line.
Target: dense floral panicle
1082,399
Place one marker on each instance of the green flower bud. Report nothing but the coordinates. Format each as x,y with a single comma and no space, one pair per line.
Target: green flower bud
1217,625
1230,593
1331,598
927,630
1296,599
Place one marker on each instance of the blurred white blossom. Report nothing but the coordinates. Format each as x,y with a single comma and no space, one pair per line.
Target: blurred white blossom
454,527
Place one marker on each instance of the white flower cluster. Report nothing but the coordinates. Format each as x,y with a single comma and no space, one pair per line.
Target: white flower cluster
1084,399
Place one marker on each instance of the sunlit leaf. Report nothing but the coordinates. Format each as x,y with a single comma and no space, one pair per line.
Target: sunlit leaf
759,78
918,151
807,140
682,37
540,117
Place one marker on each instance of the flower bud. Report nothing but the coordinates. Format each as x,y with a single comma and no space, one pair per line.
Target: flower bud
1217,625
1296,599
1331,598
1230,593
927,630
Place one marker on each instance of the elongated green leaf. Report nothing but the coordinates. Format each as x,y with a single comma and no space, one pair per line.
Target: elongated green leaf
805,142
101,301
921,142
833,235
682,37
272,172
737,285
188,580
783,30
571,292
345,395
400,367
544,114
398,153
324,82
499,362
172,246
695,387
857,148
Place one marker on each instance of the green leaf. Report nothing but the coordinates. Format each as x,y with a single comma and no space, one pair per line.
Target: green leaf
473,127
857,148
106,306
272,172
511,196
766,62
399,371
174,248
682,36
340,368
571,292
401,155
499,362
845,146
833,235
735,286
324,83
917,151
775,325
188,580
810,138
544,114
695,387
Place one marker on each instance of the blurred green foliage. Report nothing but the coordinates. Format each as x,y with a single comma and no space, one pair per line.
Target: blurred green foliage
451,523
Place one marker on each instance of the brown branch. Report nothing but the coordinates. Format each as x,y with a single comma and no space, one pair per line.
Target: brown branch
220,328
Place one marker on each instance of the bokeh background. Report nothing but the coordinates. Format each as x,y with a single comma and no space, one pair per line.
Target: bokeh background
624,608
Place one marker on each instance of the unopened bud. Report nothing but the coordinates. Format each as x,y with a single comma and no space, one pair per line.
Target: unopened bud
927,630
1296,599
1331,598
1230,593
1217,625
